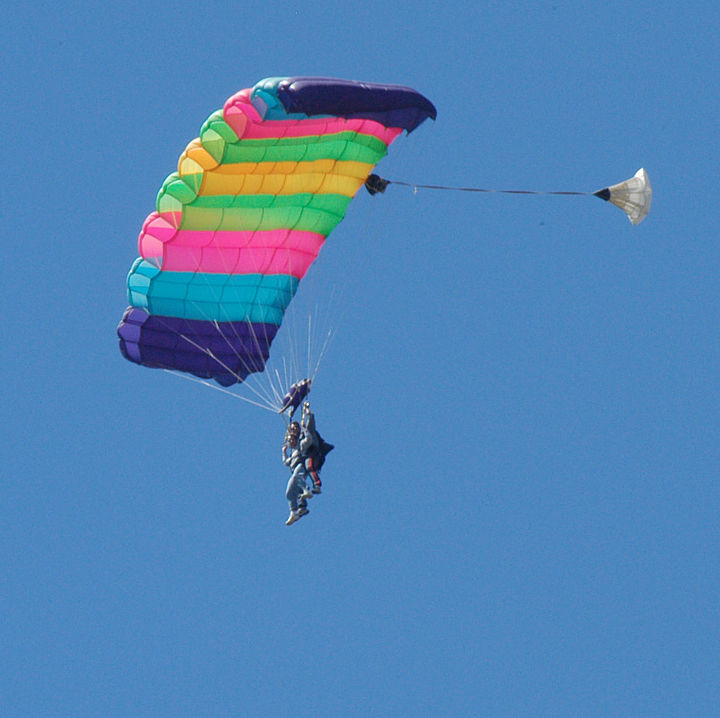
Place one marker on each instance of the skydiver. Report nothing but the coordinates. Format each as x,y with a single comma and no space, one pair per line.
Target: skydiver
296,393
319,448
297,492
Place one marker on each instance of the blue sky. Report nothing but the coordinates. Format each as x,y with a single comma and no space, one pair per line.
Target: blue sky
520,517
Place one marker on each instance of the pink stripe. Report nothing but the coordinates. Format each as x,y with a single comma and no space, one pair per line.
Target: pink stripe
279,251
154,233
245,120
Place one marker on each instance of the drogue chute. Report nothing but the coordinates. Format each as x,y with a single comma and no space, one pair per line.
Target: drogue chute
633,196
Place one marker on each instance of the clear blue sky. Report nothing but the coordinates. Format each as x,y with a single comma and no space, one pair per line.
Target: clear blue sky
521,515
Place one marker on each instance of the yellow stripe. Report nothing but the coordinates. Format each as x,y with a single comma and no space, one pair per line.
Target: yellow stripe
318,177
195,151
327,166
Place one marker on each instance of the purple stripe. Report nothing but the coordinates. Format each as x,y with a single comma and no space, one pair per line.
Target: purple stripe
390,105
225,351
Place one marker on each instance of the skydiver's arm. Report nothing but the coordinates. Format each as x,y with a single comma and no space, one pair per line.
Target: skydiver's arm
305,443
309,424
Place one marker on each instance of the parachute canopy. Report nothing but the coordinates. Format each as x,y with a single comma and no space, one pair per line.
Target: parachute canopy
633,196
245,215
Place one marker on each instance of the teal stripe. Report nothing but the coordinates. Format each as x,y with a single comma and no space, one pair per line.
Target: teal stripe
266,92
212,297
138,282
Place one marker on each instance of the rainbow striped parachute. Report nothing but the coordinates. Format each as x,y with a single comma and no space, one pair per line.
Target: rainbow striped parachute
246,213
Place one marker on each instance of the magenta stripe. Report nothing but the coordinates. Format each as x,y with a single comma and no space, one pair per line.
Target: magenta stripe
279,251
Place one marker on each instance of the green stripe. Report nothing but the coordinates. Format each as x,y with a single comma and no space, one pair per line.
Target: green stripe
344,146
309,212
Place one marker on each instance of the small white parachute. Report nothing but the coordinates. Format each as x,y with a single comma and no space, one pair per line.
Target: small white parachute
633,196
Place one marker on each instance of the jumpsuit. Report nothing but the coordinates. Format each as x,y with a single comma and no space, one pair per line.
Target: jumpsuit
296,462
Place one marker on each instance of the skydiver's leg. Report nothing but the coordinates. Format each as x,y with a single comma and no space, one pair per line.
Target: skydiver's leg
293,491
313,475
303,493
296,486
291,494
